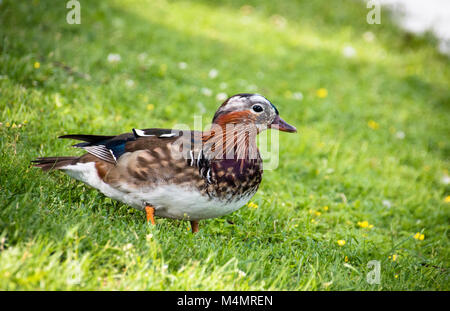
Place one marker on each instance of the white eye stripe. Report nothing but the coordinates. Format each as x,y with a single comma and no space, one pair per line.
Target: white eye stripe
239,102
236,102
259,98
234,98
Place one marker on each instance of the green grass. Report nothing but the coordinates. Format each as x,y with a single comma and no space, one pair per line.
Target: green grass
53,229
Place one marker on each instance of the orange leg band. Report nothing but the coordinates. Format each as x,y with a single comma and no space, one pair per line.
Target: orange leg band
150,212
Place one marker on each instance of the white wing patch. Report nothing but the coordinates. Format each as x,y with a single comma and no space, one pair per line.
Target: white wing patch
140,133
101,152
168,135
208,176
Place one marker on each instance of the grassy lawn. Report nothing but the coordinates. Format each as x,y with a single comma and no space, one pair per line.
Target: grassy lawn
368,167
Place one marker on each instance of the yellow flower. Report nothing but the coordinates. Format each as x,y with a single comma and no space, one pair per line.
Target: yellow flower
394,257
341,242
373,125
396,276
162,69
318,213
419,236
363,224
325,208
253,205
150,107
447,199
37,65
322,93
313,221
346,259
288,94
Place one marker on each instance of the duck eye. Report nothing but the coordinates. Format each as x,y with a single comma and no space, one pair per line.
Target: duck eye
257,108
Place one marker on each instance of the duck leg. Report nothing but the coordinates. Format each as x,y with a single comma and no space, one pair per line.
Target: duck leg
150,212
194,226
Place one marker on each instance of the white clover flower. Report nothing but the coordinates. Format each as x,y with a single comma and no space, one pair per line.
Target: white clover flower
387,203
213,73
221,96
129,83
182,65
201,107
252,88
297,96
400,135
142,56
348,51
278,21
128,247
205,91
114,58
369,36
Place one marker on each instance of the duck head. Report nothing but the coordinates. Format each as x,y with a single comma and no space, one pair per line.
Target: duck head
251,110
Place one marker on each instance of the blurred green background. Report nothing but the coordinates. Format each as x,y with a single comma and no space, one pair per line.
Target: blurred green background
366,178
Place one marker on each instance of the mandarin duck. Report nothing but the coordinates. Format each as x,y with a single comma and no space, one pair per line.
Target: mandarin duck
189,175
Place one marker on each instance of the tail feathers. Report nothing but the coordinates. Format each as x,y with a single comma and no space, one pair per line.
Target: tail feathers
87,138
54,163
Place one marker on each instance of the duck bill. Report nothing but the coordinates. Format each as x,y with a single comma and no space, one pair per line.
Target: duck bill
281,125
